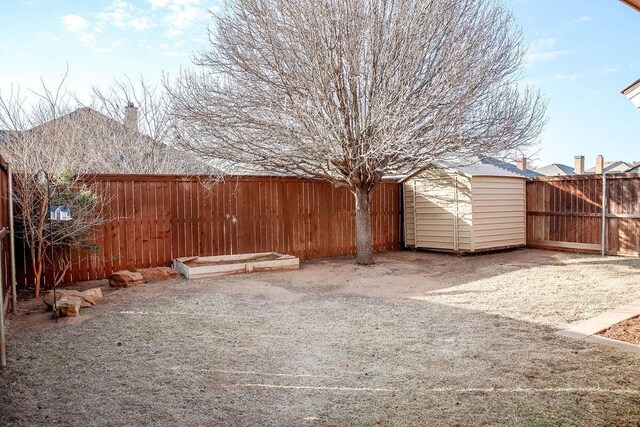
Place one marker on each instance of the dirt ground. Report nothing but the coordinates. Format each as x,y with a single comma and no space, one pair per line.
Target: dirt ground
628,331
418,339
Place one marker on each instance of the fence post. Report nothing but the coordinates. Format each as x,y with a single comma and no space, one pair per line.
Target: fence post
603,238
12,247
3,353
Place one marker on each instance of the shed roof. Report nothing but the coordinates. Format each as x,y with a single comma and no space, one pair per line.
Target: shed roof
485,169
479,168
509,167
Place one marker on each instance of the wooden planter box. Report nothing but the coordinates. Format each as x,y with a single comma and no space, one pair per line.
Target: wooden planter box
197,267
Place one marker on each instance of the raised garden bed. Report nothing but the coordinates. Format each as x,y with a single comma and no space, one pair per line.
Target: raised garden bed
210,266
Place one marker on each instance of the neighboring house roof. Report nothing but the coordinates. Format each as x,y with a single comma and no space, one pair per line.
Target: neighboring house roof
633,86
5,136
91,125
633,93
244,169
634,169
556,169
633,3
613,166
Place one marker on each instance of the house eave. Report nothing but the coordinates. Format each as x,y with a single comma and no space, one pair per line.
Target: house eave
635,4
631,87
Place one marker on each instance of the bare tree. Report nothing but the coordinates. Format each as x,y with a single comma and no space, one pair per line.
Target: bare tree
37,137
144,143
52,130
354,90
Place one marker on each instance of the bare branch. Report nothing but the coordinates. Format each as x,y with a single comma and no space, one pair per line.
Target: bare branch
352,91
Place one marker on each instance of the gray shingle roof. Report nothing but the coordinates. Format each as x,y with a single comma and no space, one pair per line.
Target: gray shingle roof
556,169
613,166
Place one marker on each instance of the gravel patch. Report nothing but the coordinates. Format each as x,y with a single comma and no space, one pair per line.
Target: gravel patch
331,344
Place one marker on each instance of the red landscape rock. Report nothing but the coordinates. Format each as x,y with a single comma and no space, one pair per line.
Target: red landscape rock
157,274
69,306
92,296
125,279
88,298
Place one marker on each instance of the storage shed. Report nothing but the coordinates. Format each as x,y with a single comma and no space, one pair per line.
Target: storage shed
472,208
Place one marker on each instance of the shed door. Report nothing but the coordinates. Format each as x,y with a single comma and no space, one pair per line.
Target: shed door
436,212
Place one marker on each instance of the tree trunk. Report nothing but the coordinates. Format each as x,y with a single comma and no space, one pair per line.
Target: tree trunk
364,242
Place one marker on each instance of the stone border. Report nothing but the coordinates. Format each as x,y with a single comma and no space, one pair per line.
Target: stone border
586,330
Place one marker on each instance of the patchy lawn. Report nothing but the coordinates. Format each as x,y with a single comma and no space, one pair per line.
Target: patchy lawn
417,339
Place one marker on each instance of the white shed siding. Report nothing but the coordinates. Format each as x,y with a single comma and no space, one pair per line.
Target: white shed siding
465,212
409,220
499,212
437,209
434,204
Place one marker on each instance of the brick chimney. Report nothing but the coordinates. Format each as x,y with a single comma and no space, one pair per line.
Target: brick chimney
522,163
599,164
578,165
131,116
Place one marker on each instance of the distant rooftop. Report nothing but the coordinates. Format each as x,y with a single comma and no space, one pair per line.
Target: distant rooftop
613,166
556,169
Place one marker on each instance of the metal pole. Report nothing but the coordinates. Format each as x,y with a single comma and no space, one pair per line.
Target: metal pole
12,246
604,213
3,353
53,264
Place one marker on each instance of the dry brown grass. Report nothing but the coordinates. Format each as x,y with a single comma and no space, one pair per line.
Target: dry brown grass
331,344
567,289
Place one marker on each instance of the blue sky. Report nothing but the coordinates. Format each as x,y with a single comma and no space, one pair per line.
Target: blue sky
582,54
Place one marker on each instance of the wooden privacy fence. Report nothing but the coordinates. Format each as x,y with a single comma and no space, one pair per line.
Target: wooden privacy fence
156,218
566,213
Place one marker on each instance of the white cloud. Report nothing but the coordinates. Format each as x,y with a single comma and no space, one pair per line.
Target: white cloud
74,23
544,50
572,76
81,28
577,21
180,15
172,18
124,15
172,3
546,56
609,70
140,24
